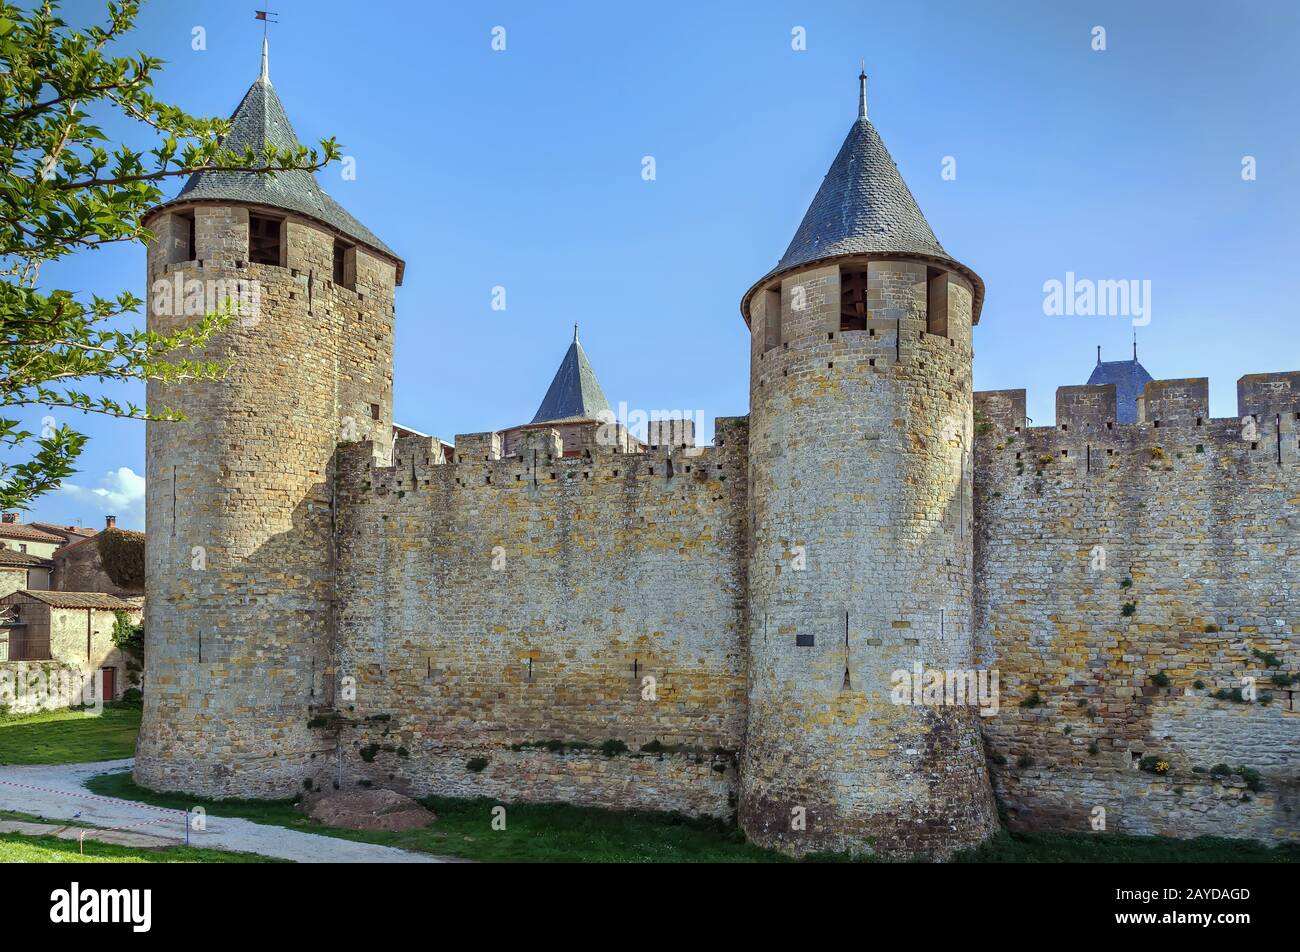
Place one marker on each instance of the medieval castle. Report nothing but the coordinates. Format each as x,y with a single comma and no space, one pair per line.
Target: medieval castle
562,611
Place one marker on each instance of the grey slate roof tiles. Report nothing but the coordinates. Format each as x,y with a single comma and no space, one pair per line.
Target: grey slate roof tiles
862,207
260,120
1129,378
575,393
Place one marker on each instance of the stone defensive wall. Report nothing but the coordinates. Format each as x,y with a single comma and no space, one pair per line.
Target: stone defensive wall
1136,591
541,627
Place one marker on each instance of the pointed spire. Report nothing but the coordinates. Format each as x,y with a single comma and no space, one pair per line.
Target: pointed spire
575,393
266,70
258,122
863,205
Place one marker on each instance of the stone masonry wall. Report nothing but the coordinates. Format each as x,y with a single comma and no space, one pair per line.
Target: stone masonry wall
495,609
78,568
1125,576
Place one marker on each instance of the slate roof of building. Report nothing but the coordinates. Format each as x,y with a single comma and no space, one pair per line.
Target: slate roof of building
258,121
18,530
22,559
575,393
864,207
78,599
1129,378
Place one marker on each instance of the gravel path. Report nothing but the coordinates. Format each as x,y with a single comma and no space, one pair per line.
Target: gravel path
56,793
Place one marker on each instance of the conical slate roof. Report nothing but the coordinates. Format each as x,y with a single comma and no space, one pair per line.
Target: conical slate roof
1129,378
864,207
575,393
260,120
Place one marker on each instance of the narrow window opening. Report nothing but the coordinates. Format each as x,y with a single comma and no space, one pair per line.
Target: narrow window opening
191,245
853,300
936,302
264,240
341,263
771,318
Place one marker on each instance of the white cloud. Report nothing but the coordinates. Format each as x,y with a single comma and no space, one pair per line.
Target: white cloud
120,493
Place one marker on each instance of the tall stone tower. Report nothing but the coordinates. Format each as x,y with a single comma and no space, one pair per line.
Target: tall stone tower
240,495
860,500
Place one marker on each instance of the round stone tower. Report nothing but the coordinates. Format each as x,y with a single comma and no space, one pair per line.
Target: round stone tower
239,570
860,569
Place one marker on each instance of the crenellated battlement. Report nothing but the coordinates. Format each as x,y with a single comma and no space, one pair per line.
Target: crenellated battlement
1176,403
417,464
1173,424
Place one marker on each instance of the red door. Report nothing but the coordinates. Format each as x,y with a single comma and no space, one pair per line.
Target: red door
110,687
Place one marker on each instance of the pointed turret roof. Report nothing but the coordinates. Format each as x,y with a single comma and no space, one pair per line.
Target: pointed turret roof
1129,378
259,121
864,207
575,393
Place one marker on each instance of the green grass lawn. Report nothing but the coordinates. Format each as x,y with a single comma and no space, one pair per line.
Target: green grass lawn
17,848
1117,848
70,737
558,833
540,833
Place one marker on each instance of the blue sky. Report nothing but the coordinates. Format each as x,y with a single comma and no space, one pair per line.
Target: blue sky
522,169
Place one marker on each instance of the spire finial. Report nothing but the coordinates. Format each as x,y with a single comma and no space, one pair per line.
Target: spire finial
1099,353
266,16
1135,344
862,84
575,332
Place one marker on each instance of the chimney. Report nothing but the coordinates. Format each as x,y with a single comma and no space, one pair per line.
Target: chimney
110,522
10,518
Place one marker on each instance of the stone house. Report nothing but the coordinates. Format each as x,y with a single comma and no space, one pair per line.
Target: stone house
20,570
79,567
74,628
28,539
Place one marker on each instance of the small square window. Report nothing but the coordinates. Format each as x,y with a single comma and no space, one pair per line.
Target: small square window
803,641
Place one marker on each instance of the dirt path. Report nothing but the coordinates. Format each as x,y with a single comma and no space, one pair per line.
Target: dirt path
56,793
